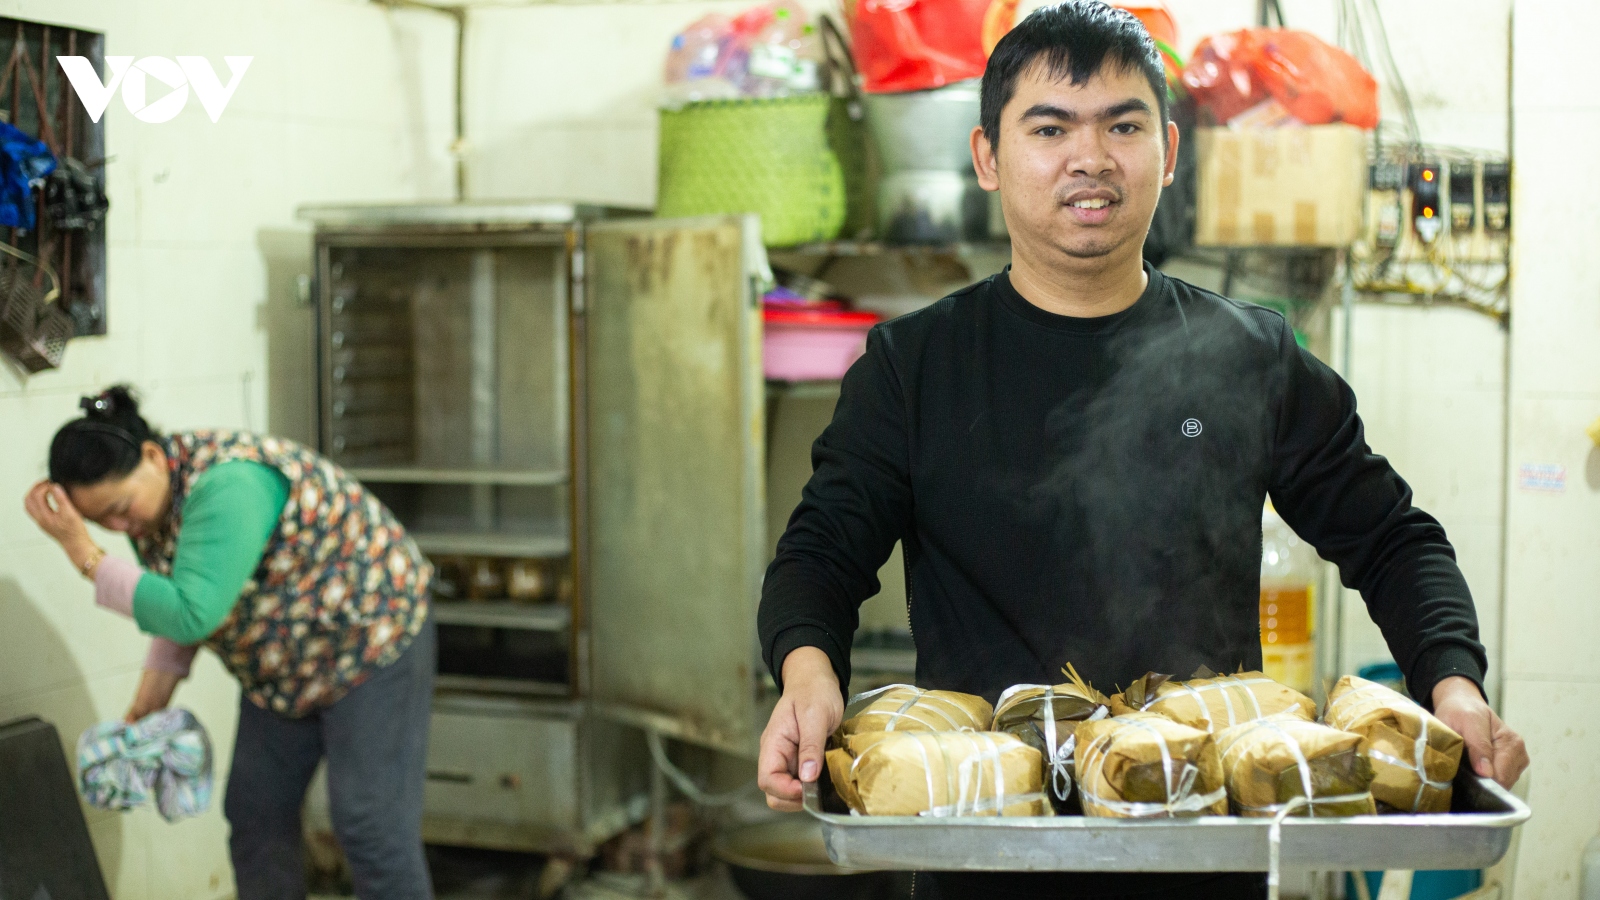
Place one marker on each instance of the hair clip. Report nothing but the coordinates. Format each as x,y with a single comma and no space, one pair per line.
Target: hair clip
100,403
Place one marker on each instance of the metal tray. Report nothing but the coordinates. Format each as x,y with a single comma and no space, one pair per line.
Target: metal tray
1473,836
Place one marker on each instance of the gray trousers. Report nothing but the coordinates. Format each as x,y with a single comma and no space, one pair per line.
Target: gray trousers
376,742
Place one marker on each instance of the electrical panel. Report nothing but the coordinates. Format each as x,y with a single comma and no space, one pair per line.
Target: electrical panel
1384,203
1497,197
1412,206
1438,225
1463,199
1425,206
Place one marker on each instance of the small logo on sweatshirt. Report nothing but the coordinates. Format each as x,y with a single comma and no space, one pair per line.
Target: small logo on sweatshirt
1192,428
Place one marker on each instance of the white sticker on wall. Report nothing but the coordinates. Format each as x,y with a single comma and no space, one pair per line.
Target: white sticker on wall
1545,478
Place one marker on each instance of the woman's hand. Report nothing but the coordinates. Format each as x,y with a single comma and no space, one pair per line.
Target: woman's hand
155,692
51,509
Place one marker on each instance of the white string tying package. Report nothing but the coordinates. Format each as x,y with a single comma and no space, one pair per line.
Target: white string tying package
1060,756
1308,799
1419,745
963,780
969,777
1181,797
1275,844
906,709
1221,683
1308,795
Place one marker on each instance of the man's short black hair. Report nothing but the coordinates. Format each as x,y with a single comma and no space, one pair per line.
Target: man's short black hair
1073,38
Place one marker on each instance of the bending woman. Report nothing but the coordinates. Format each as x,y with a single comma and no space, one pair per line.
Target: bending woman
308,590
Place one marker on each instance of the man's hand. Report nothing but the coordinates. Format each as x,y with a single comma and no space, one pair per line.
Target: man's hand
1495,751
155,692
792,744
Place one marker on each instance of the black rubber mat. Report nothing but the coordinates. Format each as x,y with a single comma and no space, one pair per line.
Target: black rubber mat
45,852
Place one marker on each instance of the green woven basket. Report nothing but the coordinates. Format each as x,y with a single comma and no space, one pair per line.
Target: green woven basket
763,156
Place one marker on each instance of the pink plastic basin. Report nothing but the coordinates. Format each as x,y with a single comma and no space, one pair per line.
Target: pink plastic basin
813,345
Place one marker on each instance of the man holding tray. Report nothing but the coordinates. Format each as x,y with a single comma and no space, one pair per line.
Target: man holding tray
1076,452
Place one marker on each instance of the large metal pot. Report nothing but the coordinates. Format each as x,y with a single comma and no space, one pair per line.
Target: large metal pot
784,859
928,192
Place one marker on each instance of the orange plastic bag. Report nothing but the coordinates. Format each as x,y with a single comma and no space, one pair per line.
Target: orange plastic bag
1163,30
1315,81
915,45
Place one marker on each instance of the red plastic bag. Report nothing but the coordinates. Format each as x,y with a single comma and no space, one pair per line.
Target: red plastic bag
1219,80
1315,81
1157,20
915,45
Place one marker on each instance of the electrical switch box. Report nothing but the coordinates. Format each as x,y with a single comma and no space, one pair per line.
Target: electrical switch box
1384,212
1497,196
1463,198
1425,195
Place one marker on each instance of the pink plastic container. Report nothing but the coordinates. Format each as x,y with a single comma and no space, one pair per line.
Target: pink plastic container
813,345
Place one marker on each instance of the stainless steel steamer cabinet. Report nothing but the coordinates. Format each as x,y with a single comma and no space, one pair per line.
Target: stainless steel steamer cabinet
580,387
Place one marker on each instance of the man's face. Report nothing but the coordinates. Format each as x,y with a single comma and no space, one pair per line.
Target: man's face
1079,167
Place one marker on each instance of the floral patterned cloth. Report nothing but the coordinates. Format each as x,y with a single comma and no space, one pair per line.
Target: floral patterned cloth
341,589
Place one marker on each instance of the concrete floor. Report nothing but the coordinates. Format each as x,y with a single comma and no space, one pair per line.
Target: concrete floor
520,882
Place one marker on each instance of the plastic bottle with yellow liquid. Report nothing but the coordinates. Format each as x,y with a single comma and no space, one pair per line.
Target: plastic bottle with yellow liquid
1288,603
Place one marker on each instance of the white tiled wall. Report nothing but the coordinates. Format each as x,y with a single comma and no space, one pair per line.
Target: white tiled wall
342,101
562,98
1553,545
346,101
1430,387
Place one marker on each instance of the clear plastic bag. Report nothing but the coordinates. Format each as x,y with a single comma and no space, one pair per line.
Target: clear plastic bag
766,51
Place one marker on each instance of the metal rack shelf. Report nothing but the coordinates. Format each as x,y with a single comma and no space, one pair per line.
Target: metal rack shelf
424,475
803,390
523,687
467,543
878,248
503,614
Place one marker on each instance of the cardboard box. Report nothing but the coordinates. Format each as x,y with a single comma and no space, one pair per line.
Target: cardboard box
1280,187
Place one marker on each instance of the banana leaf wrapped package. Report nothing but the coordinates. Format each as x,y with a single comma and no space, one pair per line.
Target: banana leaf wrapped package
1283,763
938,773
1045,717
1414,755
1142,765
901,707
1212,703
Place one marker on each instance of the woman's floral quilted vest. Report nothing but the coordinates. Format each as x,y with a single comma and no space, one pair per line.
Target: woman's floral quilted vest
340,592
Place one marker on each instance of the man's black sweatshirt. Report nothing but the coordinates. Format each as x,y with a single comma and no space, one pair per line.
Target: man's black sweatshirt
1090,491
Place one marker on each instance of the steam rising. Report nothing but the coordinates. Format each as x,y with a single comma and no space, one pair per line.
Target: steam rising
1160,520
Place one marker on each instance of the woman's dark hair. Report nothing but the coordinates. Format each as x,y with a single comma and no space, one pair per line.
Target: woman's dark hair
105,443
1074,38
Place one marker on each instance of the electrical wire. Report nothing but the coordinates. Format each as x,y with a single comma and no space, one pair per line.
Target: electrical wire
684,783
1396,82
29,258
1352,26
1349,33
1447,286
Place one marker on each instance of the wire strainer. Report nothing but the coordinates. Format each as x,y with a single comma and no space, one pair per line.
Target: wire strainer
34,329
